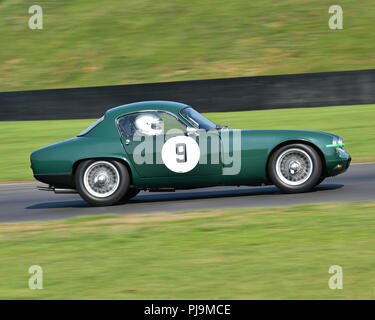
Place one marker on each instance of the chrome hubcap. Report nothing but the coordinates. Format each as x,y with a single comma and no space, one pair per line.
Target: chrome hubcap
294,167
101,179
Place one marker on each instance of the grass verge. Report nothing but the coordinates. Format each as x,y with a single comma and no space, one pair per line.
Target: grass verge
264,253
86,43
354,123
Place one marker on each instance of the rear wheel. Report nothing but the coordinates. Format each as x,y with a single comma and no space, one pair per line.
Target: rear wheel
295,168
131,193
102,182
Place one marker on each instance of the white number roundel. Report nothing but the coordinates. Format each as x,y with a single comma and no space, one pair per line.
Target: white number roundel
180,154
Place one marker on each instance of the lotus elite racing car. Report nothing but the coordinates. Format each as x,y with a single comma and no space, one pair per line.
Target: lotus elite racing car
164,146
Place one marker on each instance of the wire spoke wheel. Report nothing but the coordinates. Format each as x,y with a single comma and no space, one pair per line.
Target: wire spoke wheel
102,182
294,167
101,179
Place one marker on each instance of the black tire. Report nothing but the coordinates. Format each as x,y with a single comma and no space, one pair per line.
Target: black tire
116,179
321,179
131,193
295,168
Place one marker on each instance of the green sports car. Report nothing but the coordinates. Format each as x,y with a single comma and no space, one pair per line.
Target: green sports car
164,146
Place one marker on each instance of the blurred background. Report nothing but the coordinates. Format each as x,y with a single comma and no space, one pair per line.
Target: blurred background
91,43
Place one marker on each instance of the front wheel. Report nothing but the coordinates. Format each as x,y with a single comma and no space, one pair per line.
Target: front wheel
295,168
102,182
321,179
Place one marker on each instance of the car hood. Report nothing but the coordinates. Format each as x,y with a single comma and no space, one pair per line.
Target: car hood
271,138
294,133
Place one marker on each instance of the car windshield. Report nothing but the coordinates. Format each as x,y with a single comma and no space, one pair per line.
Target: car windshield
196,119
91,127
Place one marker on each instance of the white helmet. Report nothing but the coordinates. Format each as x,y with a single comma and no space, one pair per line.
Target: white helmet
148,124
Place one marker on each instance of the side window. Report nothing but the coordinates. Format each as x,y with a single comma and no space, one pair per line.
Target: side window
126,125
149,124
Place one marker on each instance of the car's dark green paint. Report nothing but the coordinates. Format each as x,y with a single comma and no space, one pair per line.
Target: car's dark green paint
56,164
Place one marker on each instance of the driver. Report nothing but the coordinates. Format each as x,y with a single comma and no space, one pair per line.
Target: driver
148,124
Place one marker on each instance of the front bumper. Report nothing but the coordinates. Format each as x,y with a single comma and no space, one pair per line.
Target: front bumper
339,164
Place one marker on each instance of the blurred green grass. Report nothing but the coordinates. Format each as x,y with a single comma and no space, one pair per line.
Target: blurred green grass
354,123
86,43
263,253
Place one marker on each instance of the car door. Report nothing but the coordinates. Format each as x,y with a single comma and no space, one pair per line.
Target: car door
157,144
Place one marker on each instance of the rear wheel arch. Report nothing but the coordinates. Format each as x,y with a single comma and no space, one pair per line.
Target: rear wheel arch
290,142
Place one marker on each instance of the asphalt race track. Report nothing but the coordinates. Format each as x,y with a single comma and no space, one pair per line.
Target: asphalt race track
23,202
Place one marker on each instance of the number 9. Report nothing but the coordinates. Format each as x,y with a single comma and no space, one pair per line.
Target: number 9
181,151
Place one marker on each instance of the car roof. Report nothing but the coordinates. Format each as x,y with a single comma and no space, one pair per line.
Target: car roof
169,106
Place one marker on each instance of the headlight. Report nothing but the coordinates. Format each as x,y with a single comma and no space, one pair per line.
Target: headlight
341,143
338,142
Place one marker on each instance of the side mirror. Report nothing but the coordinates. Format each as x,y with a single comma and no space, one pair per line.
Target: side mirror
190,131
